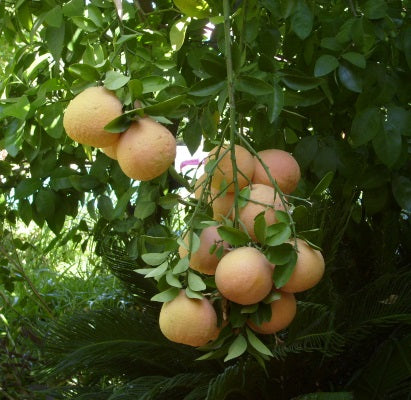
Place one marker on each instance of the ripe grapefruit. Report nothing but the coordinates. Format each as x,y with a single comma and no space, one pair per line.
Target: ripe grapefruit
111,151
308,270
244,276
262,199
283,168
201,260
222,205
283,312
146,150
188,321
87,115
223,173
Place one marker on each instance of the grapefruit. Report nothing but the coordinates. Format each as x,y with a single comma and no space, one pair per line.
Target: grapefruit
87,115
262,199
283,312
223,173
308,270
283,168
201,260
188,321
146,150
244,276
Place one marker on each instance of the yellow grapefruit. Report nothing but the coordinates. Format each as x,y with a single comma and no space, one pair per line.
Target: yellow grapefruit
188,321
262,199
146,150
223,174
244,276
283,168
201,260
87,115
283,312
308,270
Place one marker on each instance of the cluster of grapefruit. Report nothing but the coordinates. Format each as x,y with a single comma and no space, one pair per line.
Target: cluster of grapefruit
243,275
144,151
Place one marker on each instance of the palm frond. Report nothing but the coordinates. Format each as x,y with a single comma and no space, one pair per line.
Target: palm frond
384,302
329,343
388,372
113,342
161,387
326,396
116,259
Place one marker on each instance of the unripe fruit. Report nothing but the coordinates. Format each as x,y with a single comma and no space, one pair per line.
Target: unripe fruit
308,270
244,276
262,198
283,312
146,150
283,168
87,115
223,173
188,321
201,260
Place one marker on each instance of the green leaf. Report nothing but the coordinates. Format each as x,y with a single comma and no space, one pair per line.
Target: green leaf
302,20
55,40
54,17
273,296
172,280
326,396
26,188
233,236
280,255
282,273
323,184
192,135
45,202
85,72
249,309
25,211
181,266
350,79
330,43
155,258
105,207
260,227
356,59
401,189
178,33
253,86
119,124
144,208
275,103
193,8
325,64
398,121
166,295
299,82
19,109
258,344
366,125
122,202
237,348
277,234
193,295
375,9
388,145
195,283
73,8
407,45
154,84
165,107
157,272
115,80
282,216
207,87
244,196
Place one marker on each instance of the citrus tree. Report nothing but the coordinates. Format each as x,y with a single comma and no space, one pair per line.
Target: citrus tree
289,271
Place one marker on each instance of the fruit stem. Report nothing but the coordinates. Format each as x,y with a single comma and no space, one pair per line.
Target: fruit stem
231,101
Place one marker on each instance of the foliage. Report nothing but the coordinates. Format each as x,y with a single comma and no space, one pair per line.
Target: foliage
327,81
